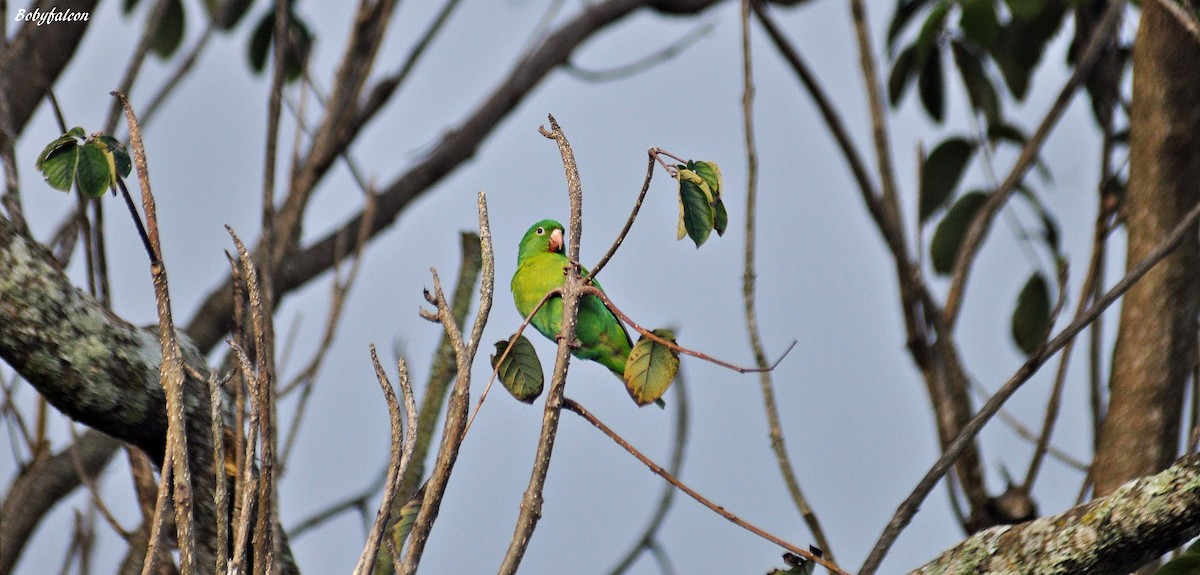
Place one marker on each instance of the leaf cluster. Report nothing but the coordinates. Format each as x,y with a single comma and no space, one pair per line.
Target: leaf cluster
93,163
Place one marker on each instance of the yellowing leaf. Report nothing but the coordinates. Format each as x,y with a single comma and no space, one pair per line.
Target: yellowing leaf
651,368
711,175
520,371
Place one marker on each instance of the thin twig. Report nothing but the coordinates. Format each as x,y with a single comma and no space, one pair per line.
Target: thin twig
592,290
89,482
401,450
186,65
749,300
357,501
338,296
650,534
220,468
879,130
573,406
637,206
159,525
136,60
246,485
644,63
1188,21
1052,405
909,507
980,223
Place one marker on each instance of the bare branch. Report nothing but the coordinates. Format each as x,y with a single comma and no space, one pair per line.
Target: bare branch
460,397
910,505
531,501
172,377
648,540
749,300
571,405
401,451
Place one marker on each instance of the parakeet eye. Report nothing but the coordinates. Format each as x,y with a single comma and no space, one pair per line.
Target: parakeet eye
541,231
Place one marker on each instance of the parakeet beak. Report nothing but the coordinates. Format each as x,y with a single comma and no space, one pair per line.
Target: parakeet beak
556,241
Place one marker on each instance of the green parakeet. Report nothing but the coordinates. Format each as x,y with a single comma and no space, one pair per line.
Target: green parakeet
541,264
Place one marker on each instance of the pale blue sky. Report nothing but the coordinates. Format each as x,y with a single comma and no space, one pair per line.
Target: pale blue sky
855,412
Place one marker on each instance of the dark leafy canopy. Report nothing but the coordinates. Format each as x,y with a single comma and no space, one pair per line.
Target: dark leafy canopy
981,41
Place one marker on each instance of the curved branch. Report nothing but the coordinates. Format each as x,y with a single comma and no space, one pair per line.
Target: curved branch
1142,520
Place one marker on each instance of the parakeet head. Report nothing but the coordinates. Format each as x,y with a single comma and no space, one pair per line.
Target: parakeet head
544,236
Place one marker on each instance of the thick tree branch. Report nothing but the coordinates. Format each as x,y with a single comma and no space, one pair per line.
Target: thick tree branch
1140,521
33,62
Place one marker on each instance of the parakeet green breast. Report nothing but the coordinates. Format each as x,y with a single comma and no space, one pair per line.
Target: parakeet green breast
541,267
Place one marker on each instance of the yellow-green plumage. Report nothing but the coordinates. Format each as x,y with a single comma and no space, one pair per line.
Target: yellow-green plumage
541,265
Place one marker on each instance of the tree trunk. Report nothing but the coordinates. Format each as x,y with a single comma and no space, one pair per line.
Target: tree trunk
1156,343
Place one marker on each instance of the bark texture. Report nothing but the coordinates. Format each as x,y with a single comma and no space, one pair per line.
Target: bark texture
1156,343
1139,522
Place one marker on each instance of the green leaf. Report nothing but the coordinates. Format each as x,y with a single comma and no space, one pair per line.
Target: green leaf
1186,564
1050,233
168,31
932,88
1007,133
229,13
696,217
1031,319
651,368
1025,9
58,167
260,42
979,87
520,371
979,22
293,63
67,139
710,173
94,170
931,31
905,10
720,218
903,71
948,236
941,173
120,156
1021,43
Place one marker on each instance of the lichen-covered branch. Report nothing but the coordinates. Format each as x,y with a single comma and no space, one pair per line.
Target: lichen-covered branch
1140,521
